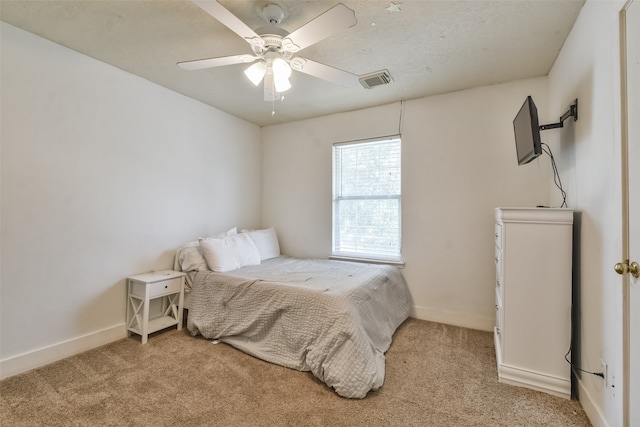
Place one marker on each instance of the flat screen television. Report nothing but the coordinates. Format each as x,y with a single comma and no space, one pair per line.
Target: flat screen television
527,132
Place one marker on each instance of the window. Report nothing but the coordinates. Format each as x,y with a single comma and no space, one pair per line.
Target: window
367,199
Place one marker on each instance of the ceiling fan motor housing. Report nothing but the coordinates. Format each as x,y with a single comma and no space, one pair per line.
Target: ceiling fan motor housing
272,43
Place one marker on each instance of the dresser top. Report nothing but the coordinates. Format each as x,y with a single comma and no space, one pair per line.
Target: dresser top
552,215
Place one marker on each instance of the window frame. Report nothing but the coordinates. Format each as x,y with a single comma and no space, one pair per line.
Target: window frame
336,198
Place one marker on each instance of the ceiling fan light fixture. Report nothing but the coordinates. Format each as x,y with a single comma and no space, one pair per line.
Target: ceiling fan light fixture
282,85
256,72
281,74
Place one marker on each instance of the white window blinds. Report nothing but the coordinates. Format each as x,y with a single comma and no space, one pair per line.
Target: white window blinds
367,199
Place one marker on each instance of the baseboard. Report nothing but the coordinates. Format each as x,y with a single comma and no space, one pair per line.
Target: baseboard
588,404
553,385
43,356
464,320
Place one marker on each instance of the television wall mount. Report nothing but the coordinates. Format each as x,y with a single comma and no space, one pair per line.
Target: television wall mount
571,112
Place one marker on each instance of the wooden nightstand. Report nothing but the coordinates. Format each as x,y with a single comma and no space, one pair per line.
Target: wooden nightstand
141,289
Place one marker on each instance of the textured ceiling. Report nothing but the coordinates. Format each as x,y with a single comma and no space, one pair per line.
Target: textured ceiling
429,47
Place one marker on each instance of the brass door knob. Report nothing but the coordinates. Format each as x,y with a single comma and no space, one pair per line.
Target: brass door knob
625,267
634,269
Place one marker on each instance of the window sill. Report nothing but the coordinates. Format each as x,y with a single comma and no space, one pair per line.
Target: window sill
399,264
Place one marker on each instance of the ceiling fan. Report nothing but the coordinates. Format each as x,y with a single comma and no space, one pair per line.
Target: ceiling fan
274,48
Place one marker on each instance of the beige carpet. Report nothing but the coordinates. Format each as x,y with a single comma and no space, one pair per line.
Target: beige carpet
437,375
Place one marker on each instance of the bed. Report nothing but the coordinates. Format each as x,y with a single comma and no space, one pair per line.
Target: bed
333,318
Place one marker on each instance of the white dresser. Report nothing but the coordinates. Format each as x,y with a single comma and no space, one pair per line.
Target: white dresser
533,248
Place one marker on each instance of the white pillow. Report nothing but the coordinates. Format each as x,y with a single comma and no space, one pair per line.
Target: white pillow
229,232
190,255
230,252
266,241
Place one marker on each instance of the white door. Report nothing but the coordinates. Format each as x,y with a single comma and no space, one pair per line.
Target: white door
630,54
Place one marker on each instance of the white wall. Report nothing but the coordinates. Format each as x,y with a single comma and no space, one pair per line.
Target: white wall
104,175
589,162
459,163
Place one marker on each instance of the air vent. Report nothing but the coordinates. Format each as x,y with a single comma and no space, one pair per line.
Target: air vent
375,79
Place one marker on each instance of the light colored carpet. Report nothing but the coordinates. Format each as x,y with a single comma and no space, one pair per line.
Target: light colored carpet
437,375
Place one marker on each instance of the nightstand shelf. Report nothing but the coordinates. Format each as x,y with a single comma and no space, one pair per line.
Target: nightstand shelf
156,324
168,286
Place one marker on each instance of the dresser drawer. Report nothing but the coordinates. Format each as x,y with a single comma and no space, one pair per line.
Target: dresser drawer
499,316
498,235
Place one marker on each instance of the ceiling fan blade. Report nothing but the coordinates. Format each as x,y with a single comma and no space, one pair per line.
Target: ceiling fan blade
199,64
324,72
231,21
334,20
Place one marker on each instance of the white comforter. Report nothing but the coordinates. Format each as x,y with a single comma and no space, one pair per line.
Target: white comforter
333,318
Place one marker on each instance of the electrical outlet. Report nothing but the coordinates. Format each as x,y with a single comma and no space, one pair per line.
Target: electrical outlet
605,373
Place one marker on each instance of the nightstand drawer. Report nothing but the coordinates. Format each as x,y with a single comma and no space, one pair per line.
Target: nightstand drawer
165,287
156,289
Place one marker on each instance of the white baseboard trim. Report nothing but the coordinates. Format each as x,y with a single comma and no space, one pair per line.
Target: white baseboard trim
43,356
555,386
588,404
464,320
